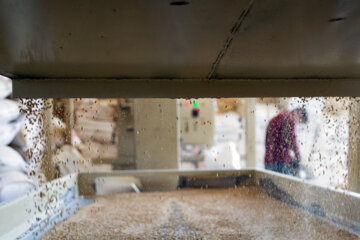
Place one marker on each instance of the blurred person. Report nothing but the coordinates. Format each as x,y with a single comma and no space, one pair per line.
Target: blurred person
281,148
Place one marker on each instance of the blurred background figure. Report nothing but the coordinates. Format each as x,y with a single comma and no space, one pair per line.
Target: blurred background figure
281,149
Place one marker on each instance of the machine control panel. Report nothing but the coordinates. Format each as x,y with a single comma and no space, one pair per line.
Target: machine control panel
197,121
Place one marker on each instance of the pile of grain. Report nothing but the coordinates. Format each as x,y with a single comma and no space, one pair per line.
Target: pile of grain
242,213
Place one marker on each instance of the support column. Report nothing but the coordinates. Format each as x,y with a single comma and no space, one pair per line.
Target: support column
157,138
353,162
250,132
283,103
69,119
156,134
126,135
47,165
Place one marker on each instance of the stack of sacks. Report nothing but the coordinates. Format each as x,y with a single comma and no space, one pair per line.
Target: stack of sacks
10,121
13,180
58,134
94,150
95,124
5,87
68,160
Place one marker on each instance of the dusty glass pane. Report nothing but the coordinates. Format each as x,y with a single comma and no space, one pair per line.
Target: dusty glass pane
253,151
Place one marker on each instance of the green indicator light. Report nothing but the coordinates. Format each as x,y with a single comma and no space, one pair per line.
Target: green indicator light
195,104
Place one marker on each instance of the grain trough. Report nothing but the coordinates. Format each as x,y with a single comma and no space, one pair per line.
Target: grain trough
253,204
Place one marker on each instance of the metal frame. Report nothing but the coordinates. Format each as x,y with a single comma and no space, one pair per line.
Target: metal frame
183,88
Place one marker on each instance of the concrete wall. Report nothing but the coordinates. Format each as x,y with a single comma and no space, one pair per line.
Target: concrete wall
354,148
156,133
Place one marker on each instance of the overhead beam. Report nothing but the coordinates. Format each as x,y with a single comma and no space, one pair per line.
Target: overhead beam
185,88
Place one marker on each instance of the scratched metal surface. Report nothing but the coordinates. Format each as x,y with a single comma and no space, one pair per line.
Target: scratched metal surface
202,39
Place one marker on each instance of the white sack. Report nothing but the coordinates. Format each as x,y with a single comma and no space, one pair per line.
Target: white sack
9,131
14,184
222,156
115,185
5,87
69,160
10,160
9,110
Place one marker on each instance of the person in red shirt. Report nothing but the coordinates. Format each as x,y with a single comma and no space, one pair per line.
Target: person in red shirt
281,149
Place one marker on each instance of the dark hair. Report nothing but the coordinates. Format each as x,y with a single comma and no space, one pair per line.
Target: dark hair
303,113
